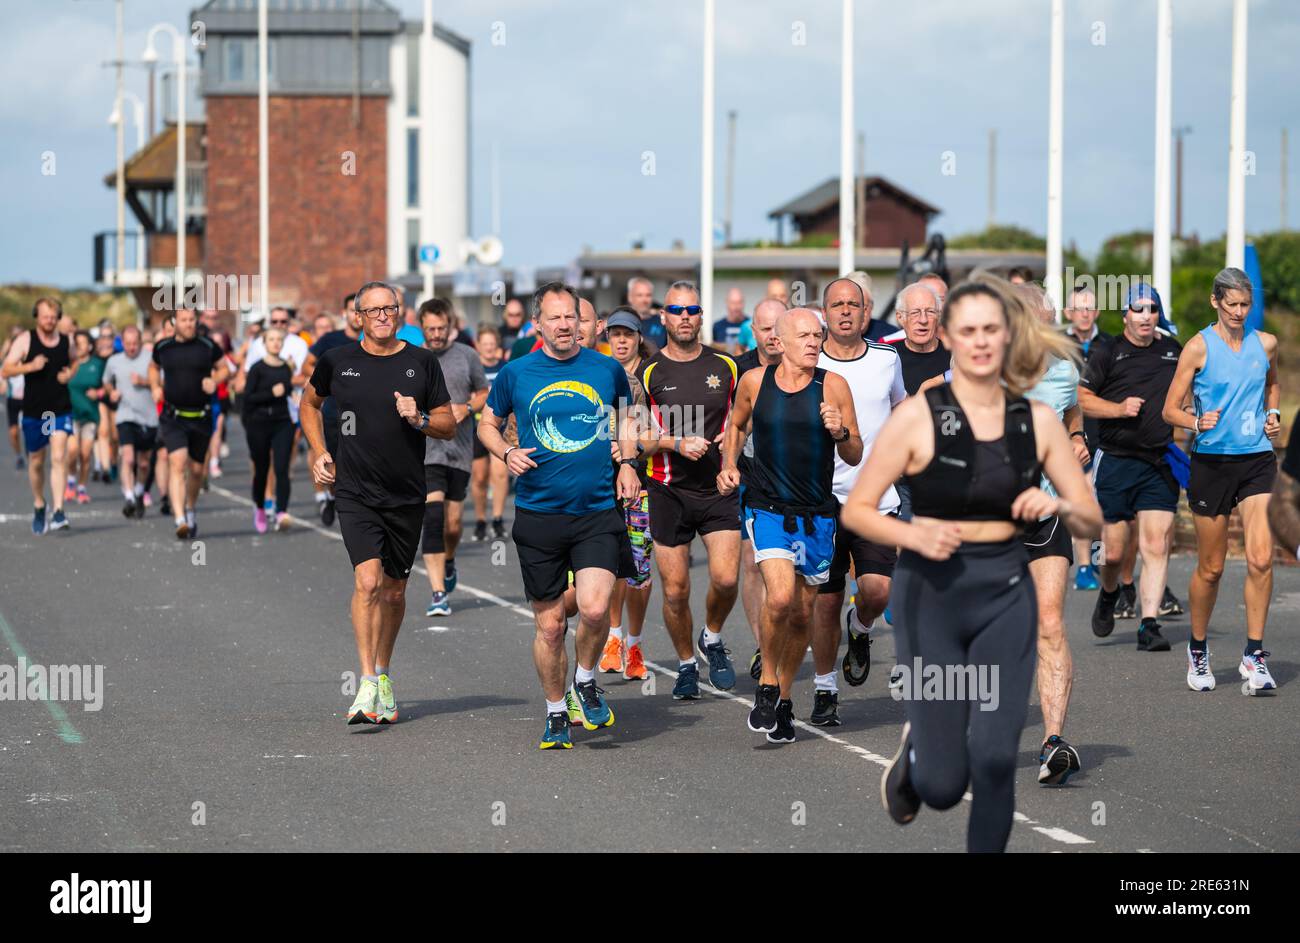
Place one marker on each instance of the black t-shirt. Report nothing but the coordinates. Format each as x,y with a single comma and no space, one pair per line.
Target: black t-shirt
917,368
185,365
381,456
1291,464
747,361
259,402
690,398
1120,369
329,341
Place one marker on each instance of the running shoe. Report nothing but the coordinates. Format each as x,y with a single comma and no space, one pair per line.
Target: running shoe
182,530
573,708
387,703
498,529
282,521
762,719
636,669
687,686
365,709
259,521
857,659
784,732
327,512
1169,604
480,531
826,709
1199,676
611,660
20,463
896,678
1058,761
1085,578
596,713
756,664
1254,672
58,521
449,575
148,499
128,508
889,617
1126,606
1149,637
165,506
141,502
721,673
896,791
82,497
70,492
192,520
438,605
1103,613
39,526
556,734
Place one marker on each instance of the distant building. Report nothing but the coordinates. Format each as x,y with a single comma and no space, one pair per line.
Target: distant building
893,216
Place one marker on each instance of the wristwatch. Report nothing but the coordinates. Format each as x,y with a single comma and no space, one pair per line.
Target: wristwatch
844,438
1079,433
629,461
424,421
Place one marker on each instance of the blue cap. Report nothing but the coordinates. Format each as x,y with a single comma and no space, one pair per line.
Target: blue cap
1144,291
623,319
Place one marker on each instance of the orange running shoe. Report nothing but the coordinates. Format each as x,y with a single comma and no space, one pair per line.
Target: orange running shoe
635,670
611,662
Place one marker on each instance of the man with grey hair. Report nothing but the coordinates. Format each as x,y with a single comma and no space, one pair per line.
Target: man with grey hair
641,297
924,359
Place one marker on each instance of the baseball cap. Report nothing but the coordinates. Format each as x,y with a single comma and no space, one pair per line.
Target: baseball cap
623,319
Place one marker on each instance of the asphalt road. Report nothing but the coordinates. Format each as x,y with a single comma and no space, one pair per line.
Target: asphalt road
221,721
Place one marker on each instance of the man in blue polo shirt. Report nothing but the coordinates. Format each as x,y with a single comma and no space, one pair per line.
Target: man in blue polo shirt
569,401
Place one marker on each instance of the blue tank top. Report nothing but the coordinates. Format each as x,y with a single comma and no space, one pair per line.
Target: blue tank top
794,456
1233,383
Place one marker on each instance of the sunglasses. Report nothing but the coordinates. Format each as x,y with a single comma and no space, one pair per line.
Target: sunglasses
1142,309
693,310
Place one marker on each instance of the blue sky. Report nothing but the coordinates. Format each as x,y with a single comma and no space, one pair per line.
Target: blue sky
580,89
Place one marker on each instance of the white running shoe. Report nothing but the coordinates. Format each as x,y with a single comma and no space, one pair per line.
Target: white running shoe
1199,676
1254,674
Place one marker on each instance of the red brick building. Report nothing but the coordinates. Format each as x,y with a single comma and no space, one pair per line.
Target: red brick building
892,214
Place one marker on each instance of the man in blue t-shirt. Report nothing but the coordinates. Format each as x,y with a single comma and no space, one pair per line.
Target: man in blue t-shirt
568,401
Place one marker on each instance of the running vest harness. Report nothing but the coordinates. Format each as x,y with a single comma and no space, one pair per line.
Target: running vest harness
44,393
966,480
793,468
1232,382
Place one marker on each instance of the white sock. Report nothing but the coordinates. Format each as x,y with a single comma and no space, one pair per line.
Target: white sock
126,493
711,637
190,516
583,675
685,662
633,640
825,682
556,707
139,489
382,670
616,631
320,497
855,624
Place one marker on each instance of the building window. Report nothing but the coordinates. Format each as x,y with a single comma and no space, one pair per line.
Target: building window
235,49
241,60
412,167
412,245
412,73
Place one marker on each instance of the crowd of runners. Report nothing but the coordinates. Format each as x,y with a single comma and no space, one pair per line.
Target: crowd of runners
945,473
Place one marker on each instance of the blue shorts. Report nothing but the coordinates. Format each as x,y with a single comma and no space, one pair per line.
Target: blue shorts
811,554
38,429
1125,486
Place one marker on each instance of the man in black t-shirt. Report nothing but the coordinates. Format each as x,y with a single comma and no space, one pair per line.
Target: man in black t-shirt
185,371
924,359
391,397
1284,505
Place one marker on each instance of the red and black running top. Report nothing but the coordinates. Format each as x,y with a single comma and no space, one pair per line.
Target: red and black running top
690,398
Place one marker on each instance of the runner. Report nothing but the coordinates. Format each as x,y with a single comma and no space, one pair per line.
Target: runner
126,380
752,593
801,416
1231,371
43,358
447,462
565,513
690,388
1125,387
640,298
1082,329
396,394
83,390
14,403
875,378
269,429
1284,506
924,359
184,373
727,332
513,318
294,353
488,471
350,333
974,451
106,443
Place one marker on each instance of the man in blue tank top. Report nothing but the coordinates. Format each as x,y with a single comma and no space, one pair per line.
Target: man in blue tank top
1231,372
801,415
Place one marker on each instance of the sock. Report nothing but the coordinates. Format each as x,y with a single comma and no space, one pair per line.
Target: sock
583,675
139,490
825,682
1253,647
616,631
126,494
556,707
381,670
856,627
1149,621
689,662
711,637
190,516
633,640
269,505
1198,645
320,497
1110,594
372,678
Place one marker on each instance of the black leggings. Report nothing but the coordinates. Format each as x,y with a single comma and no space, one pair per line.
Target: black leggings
267,437
976,609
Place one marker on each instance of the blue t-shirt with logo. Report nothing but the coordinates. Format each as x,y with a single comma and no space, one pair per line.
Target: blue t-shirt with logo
566,411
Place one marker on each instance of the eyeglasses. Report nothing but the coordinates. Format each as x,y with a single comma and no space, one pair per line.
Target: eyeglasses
921,313
693,310
387,311
280,323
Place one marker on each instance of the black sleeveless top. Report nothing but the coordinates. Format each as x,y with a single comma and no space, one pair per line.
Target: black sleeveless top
793,468
970,480
43,393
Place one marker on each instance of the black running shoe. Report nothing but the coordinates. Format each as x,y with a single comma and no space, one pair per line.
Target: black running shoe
784,732
1103,613
1169,604
480,531
139,507
1058,761
896,791
1126,607
498,529
857,659
826,709
327,512
165,506
128,509
762,719
687,686
756,664
1149,637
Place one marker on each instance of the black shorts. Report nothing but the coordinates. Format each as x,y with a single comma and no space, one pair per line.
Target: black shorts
144,438
391,535
867,557
193,435
1220,482
677,516
480,450
452,482
1125,486
552,545
1049,538
15,409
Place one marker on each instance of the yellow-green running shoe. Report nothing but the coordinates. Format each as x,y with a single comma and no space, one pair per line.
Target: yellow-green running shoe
574,708
387,706
365,709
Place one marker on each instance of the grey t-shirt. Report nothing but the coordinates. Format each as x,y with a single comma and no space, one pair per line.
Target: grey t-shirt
463,373
136,404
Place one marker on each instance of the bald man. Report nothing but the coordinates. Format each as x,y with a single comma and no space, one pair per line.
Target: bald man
776,288
800,416
726,333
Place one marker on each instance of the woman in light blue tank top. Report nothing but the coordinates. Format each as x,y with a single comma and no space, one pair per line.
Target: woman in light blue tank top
1228,372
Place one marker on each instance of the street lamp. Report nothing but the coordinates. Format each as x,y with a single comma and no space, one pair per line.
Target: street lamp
137,110
151,56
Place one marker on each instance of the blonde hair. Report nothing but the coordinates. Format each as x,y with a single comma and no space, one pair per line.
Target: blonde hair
1032,341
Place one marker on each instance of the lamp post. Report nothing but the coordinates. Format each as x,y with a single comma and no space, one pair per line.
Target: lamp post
182,88
115,119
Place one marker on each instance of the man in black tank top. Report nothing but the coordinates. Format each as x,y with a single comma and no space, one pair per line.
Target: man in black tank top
801,416
43,357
